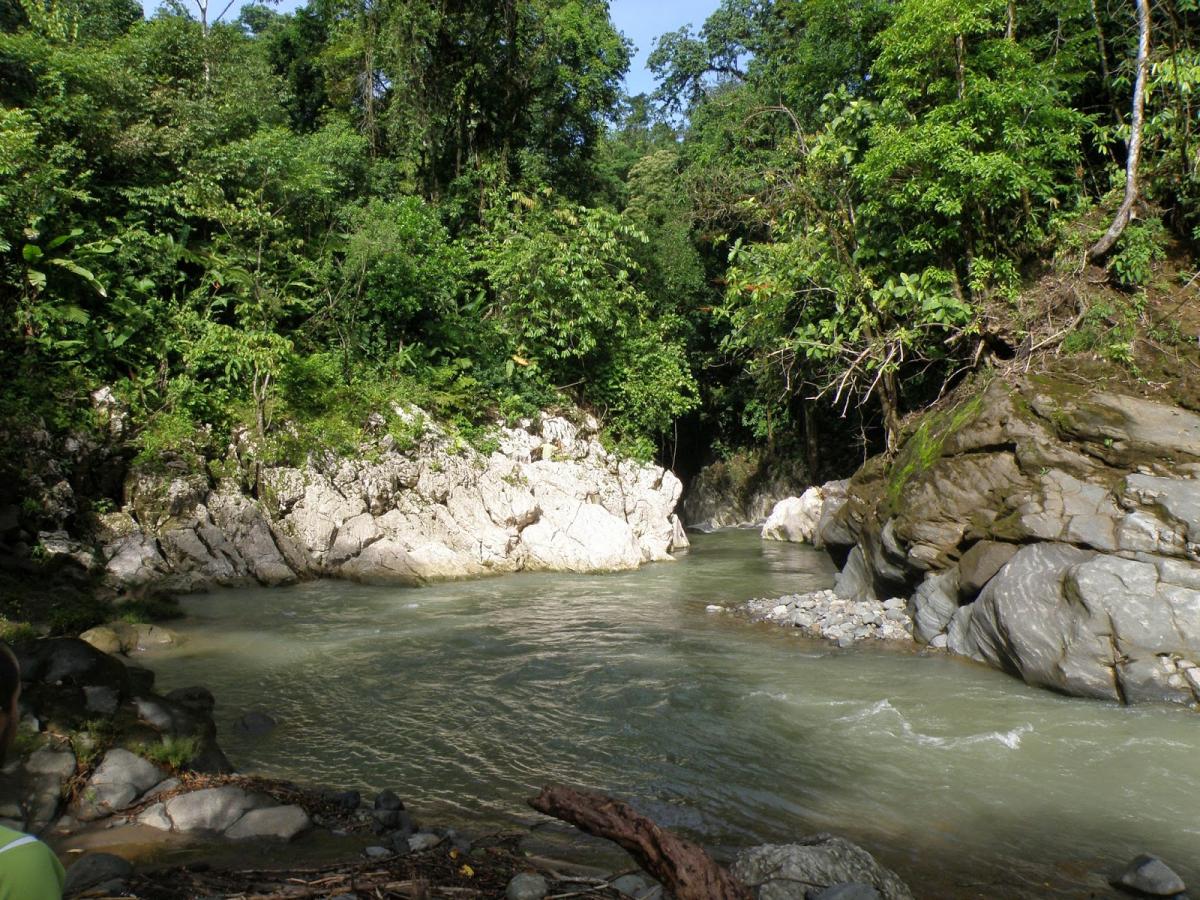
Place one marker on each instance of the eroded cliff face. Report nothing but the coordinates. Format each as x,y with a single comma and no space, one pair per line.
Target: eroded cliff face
550,497
1046,528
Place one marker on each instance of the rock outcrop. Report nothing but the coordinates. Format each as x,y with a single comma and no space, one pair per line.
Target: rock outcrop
548,497
741,490
1048,529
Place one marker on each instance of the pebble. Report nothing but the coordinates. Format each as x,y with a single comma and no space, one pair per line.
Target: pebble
423,841
825,615
527,886
377,852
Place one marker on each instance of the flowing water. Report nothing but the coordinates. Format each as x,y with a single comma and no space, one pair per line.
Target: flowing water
465,697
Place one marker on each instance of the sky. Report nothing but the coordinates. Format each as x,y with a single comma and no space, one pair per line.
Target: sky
640,20
644,20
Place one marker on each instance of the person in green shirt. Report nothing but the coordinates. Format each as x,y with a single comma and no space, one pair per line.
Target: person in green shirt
29,870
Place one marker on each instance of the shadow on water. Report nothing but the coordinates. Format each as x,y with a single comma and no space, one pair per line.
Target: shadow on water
466,697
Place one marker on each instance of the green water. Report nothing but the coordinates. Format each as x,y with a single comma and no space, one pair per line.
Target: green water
465,697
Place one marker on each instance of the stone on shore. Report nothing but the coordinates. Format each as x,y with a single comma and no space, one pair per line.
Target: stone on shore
1150,876
526,886
211,809
279,822
120,779
93,870
794,871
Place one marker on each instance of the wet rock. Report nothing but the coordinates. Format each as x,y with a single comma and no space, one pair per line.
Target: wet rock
347,800
388,800
197,698
120,779
792,871
279,822
1150,876
93,869
255,723
526,886
377,852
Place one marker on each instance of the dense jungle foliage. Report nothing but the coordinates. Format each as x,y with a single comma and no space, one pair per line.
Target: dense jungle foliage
283,223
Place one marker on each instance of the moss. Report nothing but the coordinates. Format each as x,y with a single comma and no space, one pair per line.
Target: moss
924,447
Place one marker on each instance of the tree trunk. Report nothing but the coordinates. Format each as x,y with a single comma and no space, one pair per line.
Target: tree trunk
684,869
1102,246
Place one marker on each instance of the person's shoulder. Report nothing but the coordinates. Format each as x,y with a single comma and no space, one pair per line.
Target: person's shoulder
31,863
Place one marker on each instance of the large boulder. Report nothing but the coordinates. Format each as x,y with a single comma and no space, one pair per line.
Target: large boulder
120,779
1047,528
211,809
803,869
795,518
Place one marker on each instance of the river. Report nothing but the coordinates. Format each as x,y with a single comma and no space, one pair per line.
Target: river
464,697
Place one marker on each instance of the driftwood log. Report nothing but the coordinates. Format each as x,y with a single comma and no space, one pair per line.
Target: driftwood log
683,867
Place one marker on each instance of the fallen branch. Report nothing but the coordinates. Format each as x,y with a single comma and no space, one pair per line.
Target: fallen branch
684,869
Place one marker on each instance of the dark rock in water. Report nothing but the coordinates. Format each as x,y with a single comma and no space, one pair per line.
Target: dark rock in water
211,760
196,698
385,819
1150,876
793,871
93,869
347,800
173,718
141,680
849,891
255,723
526,886
388,800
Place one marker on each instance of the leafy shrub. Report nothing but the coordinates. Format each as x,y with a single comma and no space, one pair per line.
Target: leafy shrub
1140,246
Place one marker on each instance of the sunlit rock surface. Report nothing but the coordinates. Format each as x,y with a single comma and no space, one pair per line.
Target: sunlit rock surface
548,497
1046,528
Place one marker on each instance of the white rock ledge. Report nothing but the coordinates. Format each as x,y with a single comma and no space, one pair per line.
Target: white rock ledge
549,498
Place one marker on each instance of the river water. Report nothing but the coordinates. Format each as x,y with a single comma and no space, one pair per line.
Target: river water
465,697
